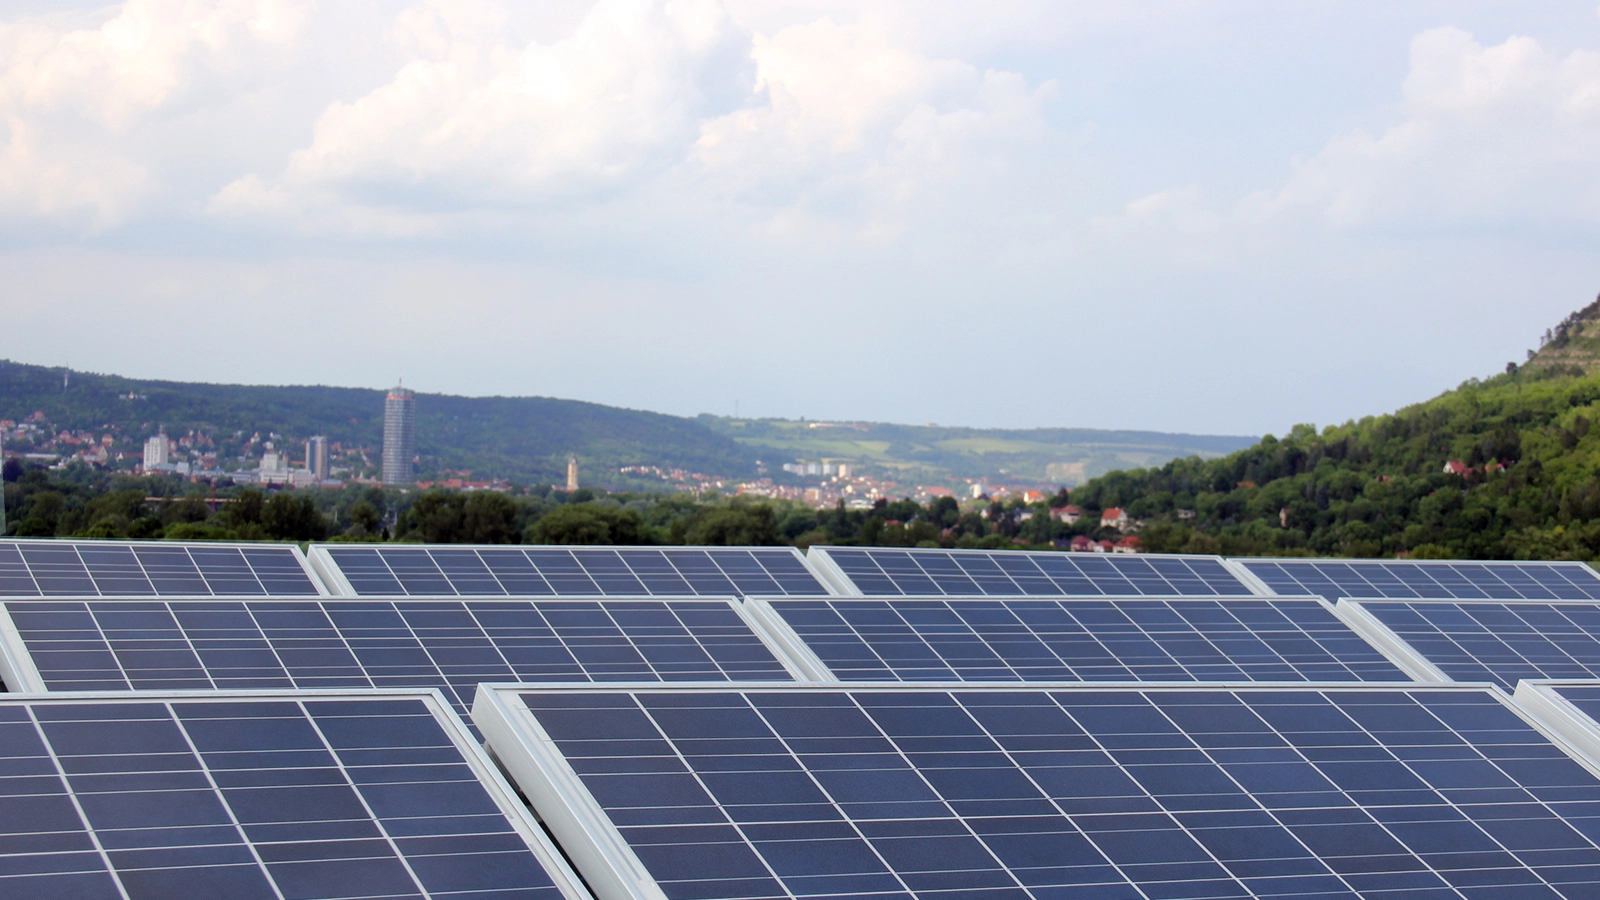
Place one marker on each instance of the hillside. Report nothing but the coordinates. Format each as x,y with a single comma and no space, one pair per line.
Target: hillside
527,439
1528,485
931,454
522,438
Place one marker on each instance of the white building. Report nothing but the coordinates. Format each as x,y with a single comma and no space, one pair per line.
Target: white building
155,452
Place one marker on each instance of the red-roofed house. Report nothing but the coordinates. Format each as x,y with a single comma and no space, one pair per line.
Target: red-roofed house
1067,514
1102,547
1129,544
1456,467
1114,517
1080,544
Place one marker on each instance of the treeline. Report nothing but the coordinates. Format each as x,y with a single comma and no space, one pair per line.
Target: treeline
82,501
1378,487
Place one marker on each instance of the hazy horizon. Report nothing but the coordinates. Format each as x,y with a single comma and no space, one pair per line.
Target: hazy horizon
1218,219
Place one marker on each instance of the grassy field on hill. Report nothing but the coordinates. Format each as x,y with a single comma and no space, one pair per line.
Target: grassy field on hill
933,454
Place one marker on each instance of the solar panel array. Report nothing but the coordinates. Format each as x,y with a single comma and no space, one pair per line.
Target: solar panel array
451,645
105,568
1410,580
1019,792
1083,640
250,797
879,572
566,571
1497,642
971,769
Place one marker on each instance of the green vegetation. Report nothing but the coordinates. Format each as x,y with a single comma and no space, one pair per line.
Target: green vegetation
936,455
83,501
1377,487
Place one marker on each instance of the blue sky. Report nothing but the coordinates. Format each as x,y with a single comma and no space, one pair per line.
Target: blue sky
1213,217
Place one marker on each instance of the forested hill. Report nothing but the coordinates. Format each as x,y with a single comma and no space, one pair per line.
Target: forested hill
1530,489
523,438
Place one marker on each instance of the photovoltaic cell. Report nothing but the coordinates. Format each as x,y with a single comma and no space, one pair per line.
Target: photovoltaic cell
106,568
571,571
1499,642
1401,580
1083,640
251,797
984,573
1005,792
451,645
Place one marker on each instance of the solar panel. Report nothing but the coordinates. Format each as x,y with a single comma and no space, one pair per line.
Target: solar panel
113,645
1570,708
1412,579
878,572
1501,642
449,571
936,639
1005,792
251,796
51,568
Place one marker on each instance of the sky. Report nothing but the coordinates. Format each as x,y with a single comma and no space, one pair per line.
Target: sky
1224,217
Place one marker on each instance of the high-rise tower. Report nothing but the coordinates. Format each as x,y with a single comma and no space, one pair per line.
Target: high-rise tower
317,457
399,435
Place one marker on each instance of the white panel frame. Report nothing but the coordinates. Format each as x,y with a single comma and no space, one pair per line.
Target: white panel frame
1377,634
532,760
17,668
1541,698
614,872
294,549
778,635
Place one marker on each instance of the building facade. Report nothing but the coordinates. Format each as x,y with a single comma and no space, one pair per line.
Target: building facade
155,452
572,472
399,435
317,458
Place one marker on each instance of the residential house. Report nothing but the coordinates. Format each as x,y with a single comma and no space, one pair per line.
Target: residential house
1114,517
1129,544
1067,514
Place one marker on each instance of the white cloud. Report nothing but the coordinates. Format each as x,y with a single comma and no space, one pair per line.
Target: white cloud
817,118
74,95
1487,136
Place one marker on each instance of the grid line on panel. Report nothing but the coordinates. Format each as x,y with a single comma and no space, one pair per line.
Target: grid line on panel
579,572
366,804
1398,580
370,643
925,572
104,568
59,772
233,815
1499,642
932,639
1414,792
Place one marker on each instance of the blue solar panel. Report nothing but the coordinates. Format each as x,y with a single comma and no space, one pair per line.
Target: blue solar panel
1405,580
877,572
1083,640
1499,642
1005,792
442,571
257,797
451,645
111,568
